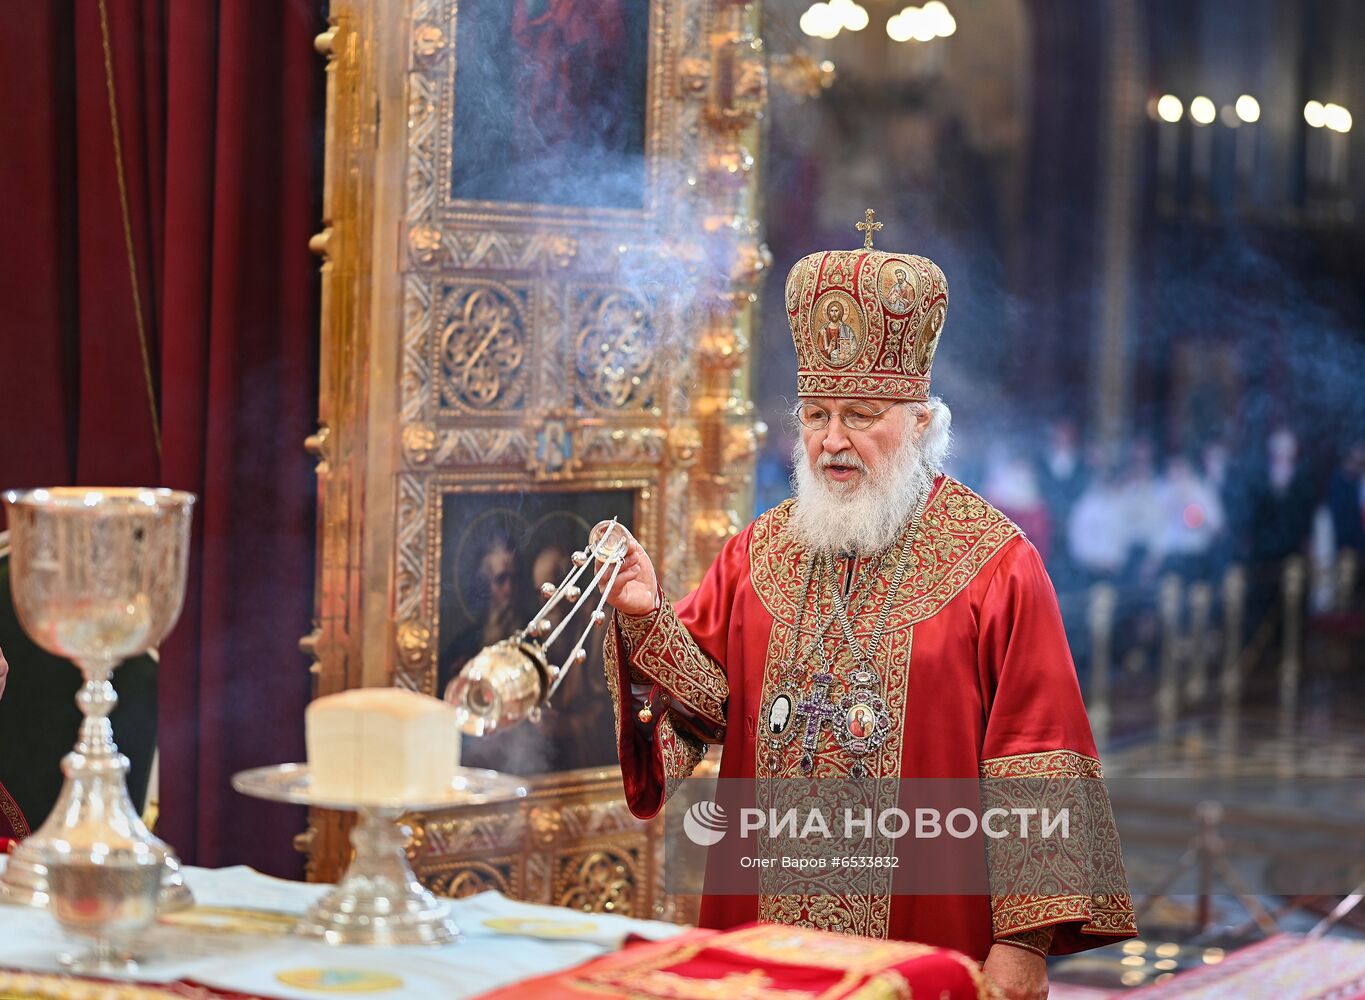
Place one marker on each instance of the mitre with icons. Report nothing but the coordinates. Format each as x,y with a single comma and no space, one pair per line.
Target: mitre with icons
865,322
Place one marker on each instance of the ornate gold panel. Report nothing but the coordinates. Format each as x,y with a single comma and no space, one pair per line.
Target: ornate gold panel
615,348
482,349
529,353
572,842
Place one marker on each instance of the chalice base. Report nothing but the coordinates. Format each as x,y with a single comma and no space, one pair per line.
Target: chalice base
93,806
379,900
99,961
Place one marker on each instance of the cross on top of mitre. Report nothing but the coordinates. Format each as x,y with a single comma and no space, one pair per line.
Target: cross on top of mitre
867,228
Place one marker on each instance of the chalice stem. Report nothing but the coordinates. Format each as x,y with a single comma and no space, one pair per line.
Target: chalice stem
96,699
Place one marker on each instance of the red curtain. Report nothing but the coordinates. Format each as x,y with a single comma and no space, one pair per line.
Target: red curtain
159,164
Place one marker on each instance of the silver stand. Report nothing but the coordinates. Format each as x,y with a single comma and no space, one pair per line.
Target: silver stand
379,900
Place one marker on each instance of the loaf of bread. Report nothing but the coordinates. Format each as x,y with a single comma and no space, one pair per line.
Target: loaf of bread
375,745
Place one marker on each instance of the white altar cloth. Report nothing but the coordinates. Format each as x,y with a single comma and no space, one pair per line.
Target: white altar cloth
503,941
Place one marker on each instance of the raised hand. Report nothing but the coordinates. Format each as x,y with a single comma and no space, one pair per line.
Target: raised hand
636,584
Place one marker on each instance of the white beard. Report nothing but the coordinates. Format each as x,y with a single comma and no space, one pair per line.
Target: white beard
863,517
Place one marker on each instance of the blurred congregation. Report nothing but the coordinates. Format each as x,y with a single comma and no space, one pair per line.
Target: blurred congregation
1114,522
1130,514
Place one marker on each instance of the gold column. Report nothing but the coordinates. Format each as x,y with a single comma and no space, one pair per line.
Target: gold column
735,92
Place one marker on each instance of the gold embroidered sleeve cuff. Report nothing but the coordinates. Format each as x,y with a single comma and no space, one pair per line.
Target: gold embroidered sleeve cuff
1068,874
679,751
656,755
659,650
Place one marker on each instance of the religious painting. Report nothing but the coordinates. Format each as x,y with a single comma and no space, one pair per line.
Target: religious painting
554,446
837,328
896,286
549,102
497,549
861,721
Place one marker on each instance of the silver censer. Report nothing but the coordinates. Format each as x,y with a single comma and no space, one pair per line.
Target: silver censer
98,576
513,680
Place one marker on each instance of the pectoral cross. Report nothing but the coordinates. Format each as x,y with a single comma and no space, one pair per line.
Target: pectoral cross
867,228
818,711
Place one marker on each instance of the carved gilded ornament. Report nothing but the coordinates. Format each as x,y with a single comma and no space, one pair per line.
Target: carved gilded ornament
414,641
737,94
443,248
318,445
419,441
741,444
752,261
320,243
694,75
800,75
684,440
510,447
425,242
730,167
615,348
472,878
325,43
309,647
715,525
600,881
481,348
428,40
485,833
545,824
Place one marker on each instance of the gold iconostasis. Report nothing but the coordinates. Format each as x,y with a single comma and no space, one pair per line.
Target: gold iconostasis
539,263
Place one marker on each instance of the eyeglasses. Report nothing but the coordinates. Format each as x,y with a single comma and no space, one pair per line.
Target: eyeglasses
855,418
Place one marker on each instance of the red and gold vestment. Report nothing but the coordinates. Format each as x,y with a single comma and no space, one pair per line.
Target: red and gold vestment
975,679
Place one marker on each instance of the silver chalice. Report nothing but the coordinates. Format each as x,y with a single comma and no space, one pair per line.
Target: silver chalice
98,576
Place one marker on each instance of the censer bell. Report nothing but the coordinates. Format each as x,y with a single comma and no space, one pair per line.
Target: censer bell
513,679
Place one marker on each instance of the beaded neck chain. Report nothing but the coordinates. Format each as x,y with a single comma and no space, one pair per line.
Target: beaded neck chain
841,612
879,627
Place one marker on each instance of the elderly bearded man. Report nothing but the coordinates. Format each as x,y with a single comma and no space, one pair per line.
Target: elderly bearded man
819,599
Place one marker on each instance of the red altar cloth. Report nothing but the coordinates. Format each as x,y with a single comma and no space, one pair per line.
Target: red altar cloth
764,960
